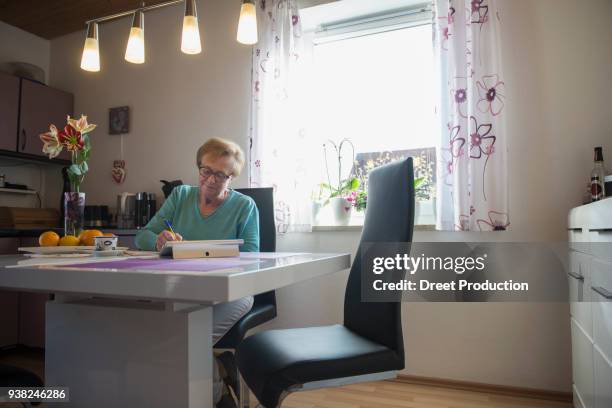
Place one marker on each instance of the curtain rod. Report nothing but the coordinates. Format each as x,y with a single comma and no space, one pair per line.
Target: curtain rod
130,12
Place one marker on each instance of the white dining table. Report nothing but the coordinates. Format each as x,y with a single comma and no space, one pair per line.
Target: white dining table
137,332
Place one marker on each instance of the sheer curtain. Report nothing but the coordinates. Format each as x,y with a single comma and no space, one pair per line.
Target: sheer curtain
472,163
278,149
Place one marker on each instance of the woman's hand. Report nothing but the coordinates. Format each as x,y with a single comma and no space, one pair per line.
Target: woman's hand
165,236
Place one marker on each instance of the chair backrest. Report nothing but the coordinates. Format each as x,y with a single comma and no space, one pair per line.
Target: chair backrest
264,200
389,218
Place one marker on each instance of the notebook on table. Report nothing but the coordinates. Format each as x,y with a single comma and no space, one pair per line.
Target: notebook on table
222,248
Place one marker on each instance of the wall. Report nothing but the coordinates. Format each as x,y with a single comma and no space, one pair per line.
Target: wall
17,45
176,100
557,58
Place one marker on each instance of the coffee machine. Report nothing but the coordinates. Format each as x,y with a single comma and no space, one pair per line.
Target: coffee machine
146,207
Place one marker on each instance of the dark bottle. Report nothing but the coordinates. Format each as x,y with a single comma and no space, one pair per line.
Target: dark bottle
598,174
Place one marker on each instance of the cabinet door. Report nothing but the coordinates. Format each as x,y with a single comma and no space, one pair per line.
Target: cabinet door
9,106
32,319
41,106
9,301
9,318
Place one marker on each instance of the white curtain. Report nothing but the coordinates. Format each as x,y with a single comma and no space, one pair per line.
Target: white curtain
278,157
472,161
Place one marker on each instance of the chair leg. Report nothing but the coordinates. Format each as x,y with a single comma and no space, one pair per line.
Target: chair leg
244,393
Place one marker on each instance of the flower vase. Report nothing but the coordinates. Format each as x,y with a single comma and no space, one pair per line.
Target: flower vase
74,213
341,210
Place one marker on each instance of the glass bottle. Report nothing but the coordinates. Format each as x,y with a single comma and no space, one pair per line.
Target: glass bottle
598,175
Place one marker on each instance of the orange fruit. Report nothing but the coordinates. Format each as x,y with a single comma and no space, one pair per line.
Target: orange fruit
87,237
48,238
108,234
69,240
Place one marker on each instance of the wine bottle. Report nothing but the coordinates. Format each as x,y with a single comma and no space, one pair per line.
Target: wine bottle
598,175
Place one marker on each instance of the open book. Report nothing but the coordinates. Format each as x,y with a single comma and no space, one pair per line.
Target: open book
201,249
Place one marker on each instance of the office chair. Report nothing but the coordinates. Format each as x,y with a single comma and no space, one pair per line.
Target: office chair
264,304
18,377
369,345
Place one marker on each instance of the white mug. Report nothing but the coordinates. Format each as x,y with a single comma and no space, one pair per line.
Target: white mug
105,243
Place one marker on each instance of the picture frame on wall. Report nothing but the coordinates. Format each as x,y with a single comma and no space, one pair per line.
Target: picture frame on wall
119,120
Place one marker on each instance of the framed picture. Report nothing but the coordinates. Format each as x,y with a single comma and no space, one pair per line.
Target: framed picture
119,120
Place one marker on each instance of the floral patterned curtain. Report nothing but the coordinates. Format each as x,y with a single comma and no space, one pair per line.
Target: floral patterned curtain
473,188
278,153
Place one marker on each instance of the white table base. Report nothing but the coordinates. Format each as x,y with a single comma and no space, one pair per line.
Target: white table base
118,353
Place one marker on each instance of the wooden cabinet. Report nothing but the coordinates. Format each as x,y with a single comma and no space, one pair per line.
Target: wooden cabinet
40,106
9,107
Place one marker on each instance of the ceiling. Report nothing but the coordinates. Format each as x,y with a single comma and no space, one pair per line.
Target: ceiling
53,18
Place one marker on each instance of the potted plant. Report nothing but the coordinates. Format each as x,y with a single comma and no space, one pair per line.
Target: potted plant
337,195
74,137
359,199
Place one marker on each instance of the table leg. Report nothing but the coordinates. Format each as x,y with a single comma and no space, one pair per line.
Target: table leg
113,353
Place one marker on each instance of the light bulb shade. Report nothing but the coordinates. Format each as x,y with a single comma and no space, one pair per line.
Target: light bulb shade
90,60
135,50
190,41
247,25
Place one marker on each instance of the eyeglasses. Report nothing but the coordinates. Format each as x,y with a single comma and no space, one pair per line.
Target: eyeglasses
219,176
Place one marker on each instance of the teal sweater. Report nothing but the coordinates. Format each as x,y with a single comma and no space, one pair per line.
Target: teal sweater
236,218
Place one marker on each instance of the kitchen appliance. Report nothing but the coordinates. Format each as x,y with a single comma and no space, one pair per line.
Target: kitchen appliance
168,186
146,206
126,210
97,216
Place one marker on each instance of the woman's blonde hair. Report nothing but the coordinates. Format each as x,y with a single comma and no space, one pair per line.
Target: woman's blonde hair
218,147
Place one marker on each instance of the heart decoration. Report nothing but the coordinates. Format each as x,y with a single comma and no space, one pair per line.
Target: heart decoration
118,171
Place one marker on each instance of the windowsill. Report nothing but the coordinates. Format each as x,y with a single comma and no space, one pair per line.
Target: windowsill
339,228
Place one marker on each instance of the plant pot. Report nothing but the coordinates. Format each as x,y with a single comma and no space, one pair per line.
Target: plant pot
316,210
341,210
74,213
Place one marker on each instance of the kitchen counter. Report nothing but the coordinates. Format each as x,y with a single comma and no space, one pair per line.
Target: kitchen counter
35,232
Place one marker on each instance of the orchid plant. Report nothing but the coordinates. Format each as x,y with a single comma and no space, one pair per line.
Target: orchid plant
74,137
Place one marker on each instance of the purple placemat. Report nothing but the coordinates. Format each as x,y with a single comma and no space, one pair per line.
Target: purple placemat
163,264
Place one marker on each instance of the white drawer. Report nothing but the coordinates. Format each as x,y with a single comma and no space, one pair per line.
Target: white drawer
601,243
579,239
582,365
603,381
602,307
579,279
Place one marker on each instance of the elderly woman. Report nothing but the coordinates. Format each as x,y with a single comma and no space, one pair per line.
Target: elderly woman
210,211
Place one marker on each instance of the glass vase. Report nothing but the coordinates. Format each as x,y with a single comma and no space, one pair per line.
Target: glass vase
74,213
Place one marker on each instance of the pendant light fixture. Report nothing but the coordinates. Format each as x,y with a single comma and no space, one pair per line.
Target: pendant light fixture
90,60
135,50
190,38
247,24
190,41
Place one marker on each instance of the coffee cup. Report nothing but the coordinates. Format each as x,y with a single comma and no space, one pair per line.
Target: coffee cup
105,243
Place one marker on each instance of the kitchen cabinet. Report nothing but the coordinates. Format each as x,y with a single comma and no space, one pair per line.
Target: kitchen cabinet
9,301
22,314
590,290
9,106
41,106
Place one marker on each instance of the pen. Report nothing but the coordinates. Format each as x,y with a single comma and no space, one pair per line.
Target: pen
169,225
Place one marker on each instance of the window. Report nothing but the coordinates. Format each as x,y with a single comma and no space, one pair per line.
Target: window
373,83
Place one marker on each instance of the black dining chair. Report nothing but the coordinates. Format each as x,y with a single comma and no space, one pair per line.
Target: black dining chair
369,345
16,377
264,304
